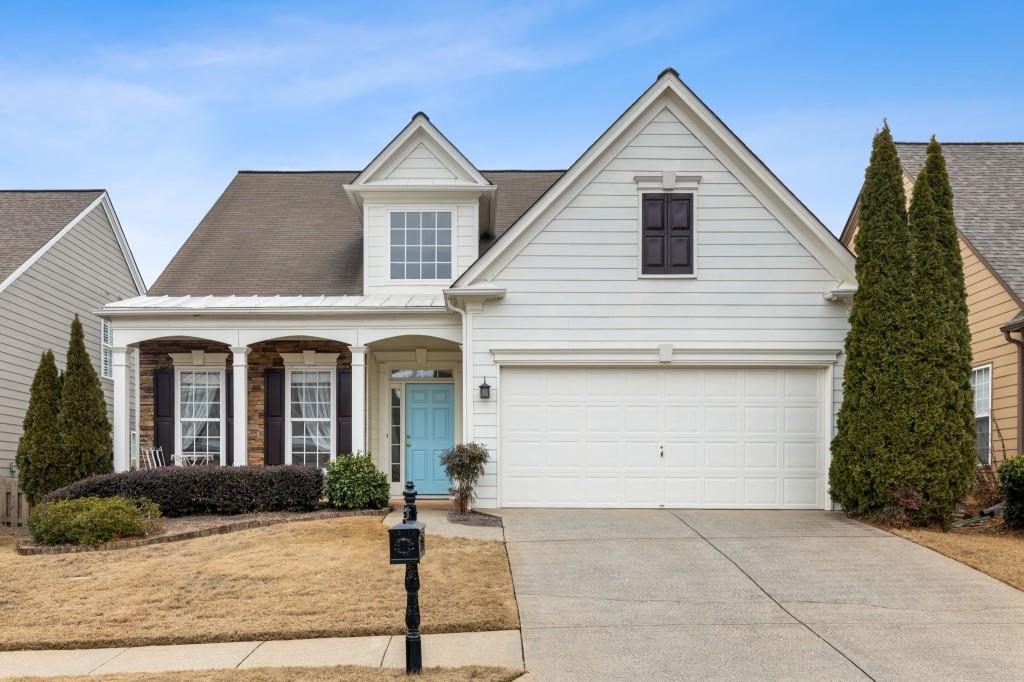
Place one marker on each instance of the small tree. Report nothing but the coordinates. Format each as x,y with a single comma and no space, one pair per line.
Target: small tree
872,451
84,427
41,468
464,464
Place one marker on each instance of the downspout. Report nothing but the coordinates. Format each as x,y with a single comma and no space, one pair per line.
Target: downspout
467,370
1020,389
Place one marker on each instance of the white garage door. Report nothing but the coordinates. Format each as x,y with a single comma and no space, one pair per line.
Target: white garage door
682,437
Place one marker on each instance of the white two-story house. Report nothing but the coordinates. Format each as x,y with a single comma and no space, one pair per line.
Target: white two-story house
661,324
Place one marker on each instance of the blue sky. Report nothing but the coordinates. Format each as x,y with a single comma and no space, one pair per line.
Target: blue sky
161,103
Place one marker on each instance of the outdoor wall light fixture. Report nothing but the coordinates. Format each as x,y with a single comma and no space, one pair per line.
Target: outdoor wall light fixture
485,390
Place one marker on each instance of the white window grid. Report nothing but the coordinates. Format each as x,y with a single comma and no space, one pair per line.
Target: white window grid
311,416
420,244
200,410
981,383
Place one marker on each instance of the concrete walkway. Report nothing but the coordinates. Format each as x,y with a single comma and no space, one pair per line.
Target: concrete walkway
726,595
500,648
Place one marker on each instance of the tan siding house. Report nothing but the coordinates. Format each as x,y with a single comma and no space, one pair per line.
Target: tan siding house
988,184
64,254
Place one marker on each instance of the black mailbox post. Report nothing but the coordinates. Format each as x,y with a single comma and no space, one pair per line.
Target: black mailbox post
407,546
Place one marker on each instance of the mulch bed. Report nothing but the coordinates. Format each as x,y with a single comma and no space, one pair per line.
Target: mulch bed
474,519
189,527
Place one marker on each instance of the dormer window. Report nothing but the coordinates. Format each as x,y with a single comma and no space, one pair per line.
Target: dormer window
421,245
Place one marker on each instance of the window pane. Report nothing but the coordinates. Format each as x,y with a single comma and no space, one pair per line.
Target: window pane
412,254
412,220
981,443
444,271
428,237
427,271
444,254
397,220
397,271
444,220
412,271
412,237
397,254
429,221
429,254
444,237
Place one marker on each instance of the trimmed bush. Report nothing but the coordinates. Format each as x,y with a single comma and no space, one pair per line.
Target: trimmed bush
184,491
41,464
85,432
1011,479
464,464
92,520
355,482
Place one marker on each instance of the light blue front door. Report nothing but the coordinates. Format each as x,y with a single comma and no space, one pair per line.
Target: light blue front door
429,431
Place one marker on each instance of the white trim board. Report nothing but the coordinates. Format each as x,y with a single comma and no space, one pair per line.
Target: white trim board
669,92
656,356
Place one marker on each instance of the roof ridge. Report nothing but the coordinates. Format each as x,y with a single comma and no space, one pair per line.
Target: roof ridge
965,144
49,191
523,170
282,172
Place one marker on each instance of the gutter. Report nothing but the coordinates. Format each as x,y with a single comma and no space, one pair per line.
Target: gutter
1007,332
235,312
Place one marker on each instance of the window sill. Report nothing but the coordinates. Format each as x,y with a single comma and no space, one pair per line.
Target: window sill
641,276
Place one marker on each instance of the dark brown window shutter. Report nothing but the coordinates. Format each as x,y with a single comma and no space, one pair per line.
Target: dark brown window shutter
344,411
667,234
229,411
273,416
163,412
680,234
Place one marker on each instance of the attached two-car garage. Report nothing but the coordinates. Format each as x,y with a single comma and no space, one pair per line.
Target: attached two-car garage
660,436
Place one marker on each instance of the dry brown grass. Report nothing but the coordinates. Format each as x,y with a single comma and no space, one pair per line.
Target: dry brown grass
326,578
992,550
338,674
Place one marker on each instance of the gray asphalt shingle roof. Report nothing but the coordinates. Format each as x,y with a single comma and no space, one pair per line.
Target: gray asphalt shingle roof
988,200
297,233
30,218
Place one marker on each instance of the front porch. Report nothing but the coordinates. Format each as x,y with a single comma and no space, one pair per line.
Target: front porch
295,399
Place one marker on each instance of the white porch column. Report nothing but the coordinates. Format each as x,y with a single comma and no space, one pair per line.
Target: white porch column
358,398
122,383
240,400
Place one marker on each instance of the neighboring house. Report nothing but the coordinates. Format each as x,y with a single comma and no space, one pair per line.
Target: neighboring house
62,253
988,203
661,324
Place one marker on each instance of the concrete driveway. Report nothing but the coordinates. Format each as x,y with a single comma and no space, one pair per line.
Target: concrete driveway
734,595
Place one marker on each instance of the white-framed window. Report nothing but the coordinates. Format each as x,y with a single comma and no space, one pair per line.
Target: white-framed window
420,244
201,414
981,382
312,413
106,349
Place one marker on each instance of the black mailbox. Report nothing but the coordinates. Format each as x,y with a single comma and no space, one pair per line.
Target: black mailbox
408,544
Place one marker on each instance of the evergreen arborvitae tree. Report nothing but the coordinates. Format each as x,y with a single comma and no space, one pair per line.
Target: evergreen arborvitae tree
942,400
84,427
871,453
39,460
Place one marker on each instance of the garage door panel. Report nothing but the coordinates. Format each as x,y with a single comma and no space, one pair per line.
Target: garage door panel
675,437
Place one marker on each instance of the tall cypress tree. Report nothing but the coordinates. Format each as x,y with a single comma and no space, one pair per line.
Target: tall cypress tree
943,409
84,427
870,453
40,464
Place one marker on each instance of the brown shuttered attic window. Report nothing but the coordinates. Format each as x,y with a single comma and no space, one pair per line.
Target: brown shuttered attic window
667,234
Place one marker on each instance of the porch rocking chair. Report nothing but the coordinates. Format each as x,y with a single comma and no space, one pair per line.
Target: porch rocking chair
152,457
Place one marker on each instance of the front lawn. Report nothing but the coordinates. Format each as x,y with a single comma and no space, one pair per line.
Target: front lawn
326,578
992,549
337,674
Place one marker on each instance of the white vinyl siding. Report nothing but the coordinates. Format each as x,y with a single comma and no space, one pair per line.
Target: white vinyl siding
574,284
421,165
981,383
80,273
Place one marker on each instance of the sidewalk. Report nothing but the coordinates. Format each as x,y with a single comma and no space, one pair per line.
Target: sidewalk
502,648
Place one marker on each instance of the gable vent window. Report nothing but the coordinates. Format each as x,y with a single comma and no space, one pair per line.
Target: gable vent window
981,382
106,352
667,234
421,244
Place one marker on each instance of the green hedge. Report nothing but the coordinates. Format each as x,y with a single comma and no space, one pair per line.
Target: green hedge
185,491
1011,479
92,520
354,482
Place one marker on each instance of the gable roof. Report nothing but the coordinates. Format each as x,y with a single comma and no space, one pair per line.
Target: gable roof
298,233
668,90
29,219
988,200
